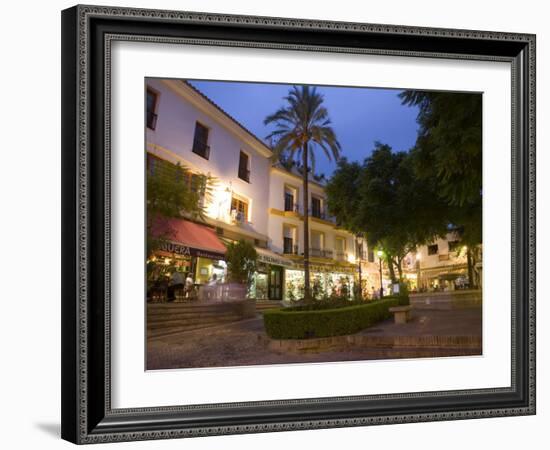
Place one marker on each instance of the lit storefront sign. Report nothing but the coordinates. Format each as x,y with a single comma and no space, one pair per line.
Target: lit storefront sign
184,250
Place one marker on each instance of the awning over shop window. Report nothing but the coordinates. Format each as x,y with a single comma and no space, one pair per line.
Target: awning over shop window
188,238
269,257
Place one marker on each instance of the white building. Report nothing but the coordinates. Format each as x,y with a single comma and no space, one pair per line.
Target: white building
443,264
250,197
190,129
332,250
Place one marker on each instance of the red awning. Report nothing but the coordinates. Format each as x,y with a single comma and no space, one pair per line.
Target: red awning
188,238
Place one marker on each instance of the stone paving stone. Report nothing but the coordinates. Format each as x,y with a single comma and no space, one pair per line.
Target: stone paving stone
245,343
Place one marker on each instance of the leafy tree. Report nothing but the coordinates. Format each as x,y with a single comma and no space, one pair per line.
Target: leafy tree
342,195
173,191
383,200
449,143
448,151
301,127
241,258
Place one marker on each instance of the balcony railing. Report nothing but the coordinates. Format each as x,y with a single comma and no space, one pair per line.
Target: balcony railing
321,214
320,253
317,213
289,248
201,149
292,207
340,256
238,217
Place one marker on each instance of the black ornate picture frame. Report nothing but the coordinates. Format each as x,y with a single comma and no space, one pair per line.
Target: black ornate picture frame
87,35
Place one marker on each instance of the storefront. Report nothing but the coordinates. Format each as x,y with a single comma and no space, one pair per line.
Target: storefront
325,280
186,247
267,283
445,278
200,263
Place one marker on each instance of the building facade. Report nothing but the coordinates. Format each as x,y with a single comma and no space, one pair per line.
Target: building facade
443,265
332,251
252,199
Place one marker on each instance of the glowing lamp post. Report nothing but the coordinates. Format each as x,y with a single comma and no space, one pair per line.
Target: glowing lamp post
360,251
380,253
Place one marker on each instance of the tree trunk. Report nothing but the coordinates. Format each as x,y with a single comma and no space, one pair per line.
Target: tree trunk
399,267
389,260
469,258
307,291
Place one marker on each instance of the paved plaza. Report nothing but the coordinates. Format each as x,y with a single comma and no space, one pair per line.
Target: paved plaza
245,342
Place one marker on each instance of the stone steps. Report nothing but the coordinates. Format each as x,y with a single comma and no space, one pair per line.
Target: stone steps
169,331
184,323
152,316
165,319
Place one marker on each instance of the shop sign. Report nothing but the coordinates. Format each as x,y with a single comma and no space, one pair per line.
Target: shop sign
268,259
184,250
326,268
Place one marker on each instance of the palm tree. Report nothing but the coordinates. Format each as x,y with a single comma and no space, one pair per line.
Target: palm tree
302,126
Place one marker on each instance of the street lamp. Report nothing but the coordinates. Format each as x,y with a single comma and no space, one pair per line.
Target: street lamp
380,253
360,251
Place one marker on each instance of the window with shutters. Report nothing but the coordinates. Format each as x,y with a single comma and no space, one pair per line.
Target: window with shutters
244,167
200,141
152,98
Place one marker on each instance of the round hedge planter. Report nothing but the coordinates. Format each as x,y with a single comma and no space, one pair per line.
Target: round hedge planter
304,324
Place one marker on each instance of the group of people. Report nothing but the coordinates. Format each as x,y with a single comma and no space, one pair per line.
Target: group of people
181,283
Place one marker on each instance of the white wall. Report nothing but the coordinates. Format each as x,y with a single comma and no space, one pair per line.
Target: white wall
175,130
30,187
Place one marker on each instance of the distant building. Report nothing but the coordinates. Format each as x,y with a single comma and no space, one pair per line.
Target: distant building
443,265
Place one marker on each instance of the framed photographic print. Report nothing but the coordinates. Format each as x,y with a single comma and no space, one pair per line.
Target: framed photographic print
280,224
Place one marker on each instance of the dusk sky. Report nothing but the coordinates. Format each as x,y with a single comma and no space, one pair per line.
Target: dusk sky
360,116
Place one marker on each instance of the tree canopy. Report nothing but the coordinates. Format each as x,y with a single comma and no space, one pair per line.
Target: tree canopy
384,201
302,123
173,191
448,152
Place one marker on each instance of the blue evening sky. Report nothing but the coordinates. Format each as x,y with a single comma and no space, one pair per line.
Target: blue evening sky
360,116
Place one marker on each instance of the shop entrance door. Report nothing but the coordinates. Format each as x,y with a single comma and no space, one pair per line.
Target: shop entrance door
276,283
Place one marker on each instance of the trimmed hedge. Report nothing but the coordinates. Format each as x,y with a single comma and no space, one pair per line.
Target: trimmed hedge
302,324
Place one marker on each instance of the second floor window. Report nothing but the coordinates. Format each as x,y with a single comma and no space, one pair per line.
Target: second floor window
316,240
340,245
289,201
290,246
340,248
244,167
291,195
433,249
316,207
151,109
200,141
239,210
